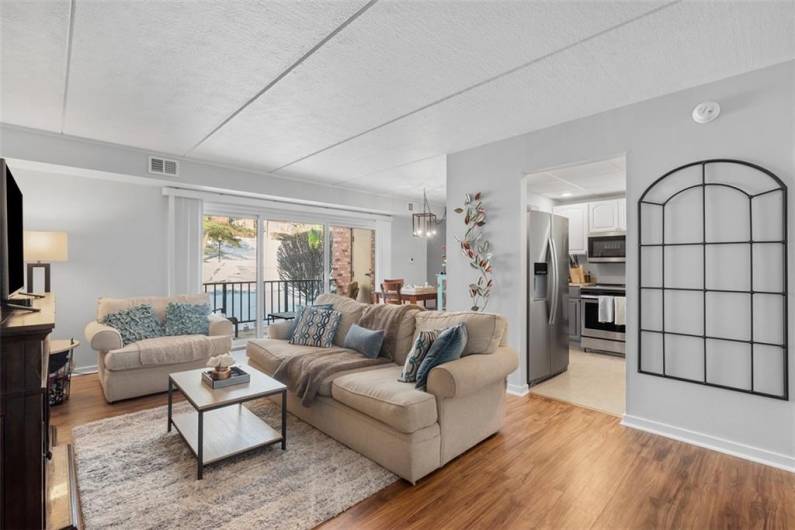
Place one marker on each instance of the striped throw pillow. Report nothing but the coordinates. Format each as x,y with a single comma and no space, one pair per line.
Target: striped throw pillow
418,351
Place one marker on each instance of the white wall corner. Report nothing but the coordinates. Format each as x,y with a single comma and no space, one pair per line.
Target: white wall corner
518,390
383,250
747,452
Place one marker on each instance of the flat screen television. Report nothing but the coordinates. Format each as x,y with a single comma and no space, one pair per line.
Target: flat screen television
12,259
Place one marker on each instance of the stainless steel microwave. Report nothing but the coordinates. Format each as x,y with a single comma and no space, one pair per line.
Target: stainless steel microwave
607,247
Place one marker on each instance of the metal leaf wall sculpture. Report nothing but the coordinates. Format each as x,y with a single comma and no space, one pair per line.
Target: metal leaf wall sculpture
477,250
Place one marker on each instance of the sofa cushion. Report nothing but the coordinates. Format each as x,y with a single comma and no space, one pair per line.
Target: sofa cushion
351,311
378,394
405,335
167,350
158,303
485,331
268,354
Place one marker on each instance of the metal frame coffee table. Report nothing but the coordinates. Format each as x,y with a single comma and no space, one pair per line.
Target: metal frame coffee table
218,429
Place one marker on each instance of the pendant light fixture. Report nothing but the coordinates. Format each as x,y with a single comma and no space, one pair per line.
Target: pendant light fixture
424,224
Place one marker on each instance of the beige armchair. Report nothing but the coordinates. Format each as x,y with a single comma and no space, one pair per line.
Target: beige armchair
142,367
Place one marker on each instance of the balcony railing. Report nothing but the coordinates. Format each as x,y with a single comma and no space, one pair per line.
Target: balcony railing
239,299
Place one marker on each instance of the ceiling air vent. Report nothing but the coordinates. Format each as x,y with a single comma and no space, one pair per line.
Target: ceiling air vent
163,166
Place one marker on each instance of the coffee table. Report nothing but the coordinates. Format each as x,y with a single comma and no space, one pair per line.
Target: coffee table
221,426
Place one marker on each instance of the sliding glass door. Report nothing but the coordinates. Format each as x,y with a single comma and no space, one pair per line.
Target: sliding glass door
292,266
259,266
229,268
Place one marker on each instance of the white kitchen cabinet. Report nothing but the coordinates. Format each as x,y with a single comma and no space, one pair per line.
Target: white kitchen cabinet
622,215
577,215
603,216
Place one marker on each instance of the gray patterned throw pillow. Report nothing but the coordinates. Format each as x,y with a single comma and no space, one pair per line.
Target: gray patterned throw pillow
418,351
136,323
187,319
317,327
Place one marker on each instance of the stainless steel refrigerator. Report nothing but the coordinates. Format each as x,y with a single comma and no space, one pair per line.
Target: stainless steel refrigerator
547,312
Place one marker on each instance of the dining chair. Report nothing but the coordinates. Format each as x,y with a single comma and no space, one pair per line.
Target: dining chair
390,291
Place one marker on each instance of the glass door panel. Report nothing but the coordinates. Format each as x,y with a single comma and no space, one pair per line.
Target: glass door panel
292,266
229,269
351,260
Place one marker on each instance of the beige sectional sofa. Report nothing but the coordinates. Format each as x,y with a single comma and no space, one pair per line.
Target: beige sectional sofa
142,368
408,431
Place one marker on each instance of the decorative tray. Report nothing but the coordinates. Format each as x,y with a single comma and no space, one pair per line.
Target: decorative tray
238,377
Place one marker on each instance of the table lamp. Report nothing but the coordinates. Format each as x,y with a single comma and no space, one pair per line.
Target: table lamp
41,249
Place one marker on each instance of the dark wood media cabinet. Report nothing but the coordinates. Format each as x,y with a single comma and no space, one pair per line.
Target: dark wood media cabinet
26,453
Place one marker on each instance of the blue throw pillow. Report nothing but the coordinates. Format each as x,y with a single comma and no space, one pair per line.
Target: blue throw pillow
365,341
136,323
447,347
187,319
299,311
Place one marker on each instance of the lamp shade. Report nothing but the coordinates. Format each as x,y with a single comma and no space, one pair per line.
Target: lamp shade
46,247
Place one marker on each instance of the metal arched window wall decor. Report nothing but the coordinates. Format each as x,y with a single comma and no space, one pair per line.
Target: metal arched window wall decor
712,276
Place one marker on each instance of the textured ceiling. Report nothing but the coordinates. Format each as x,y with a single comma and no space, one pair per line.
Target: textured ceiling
33,39
160,75
367,95
603,177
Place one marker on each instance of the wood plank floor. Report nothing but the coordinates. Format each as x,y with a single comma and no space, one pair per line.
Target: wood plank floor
553,465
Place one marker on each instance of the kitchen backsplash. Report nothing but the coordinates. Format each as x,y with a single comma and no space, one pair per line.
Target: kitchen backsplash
605,272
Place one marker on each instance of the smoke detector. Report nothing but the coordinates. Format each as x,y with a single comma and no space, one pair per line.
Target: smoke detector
163,166
706,112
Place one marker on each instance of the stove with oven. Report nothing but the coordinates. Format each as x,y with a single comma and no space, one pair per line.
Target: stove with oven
605,334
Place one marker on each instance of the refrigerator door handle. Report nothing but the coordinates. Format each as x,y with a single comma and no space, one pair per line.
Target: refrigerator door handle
555,288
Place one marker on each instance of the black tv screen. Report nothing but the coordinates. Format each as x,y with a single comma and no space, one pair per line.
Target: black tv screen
14,259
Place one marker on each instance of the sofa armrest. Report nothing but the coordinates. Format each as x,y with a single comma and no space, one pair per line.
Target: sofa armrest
220,325
279,330
103,338
471,373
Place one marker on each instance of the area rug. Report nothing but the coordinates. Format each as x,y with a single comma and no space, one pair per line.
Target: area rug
134,474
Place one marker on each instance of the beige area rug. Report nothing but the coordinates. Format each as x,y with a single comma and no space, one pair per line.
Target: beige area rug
133,474
593,380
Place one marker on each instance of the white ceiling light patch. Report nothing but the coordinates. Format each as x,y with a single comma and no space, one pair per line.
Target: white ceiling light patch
706,112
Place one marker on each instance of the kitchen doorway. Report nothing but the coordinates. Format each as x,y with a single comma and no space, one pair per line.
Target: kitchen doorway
586,203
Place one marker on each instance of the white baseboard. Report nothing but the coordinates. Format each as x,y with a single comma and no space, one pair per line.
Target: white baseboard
518,390
85,370
754,454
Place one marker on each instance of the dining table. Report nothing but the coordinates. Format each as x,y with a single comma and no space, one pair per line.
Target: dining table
412,296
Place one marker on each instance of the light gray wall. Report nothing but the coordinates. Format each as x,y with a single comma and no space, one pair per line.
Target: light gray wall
756,124
436,253
117,244
409,253
131,163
